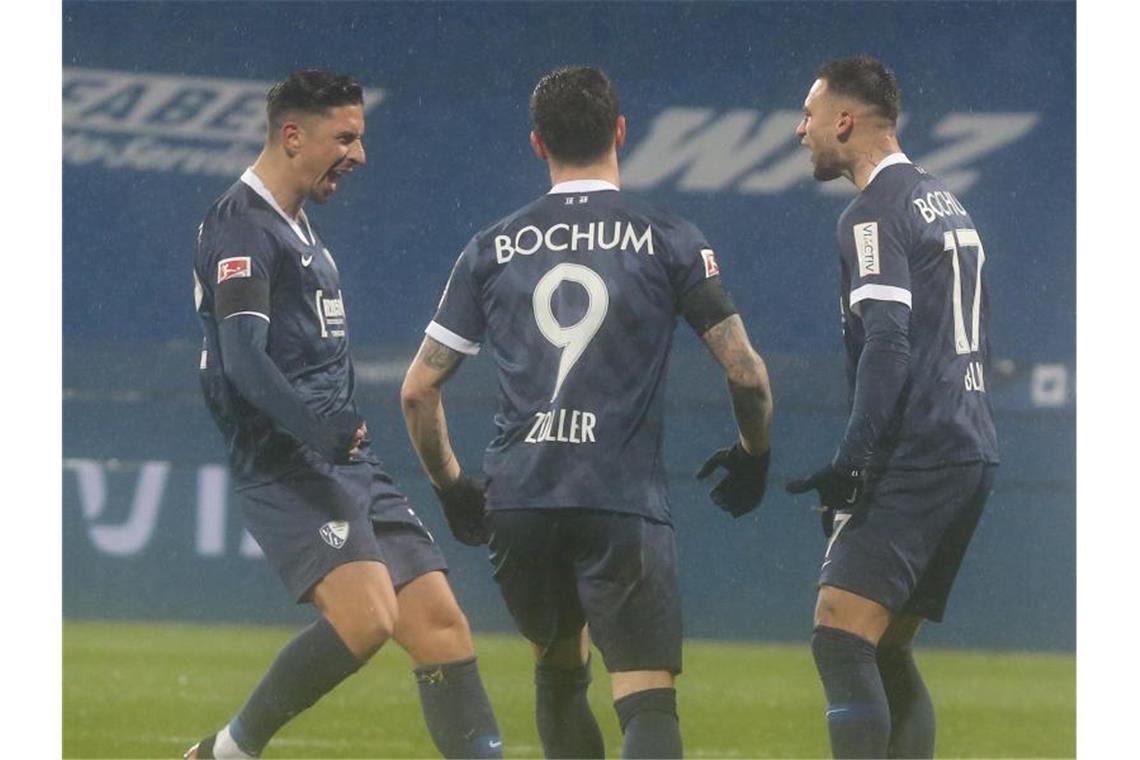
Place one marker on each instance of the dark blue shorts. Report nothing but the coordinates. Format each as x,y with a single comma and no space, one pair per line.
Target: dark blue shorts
903,544
559,569
319,516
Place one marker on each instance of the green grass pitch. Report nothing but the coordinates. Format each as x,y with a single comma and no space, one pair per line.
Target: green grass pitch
150,690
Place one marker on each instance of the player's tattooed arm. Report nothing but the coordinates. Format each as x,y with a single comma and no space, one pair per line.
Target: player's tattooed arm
439,357
747,377
422,401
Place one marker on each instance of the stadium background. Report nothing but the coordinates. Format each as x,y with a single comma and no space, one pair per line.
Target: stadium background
162,111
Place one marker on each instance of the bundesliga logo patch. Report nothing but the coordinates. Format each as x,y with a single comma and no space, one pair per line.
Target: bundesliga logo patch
711,268
335,533
237,266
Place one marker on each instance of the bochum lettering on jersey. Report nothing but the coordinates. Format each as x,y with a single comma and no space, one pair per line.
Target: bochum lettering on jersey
529,240
937,205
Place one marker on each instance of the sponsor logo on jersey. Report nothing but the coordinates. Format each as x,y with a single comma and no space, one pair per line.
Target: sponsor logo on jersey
236,266
335,533
153,122
867,248
330,314
711,267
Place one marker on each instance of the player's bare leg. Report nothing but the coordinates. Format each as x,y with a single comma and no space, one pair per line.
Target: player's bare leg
631,681
912,712
836,608
844,644
566,724
358,614
646,704
432,628
359,601
434,632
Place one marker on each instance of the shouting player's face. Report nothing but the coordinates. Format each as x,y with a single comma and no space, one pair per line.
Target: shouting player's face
333,146
818,132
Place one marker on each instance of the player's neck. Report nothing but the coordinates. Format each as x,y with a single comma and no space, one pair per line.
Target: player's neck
867,159
277,178
606,170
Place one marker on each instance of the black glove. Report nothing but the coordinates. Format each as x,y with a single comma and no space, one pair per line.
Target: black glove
465,510
838,489
741,490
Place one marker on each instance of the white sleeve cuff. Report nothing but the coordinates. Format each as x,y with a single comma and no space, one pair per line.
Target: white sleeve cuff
880,293
451,340
247,313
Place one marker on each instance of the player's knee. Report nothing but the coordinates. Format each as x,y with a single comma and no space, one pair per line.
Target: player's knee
380,623
845,611
365,622
442,617
829,609
436,633
369,629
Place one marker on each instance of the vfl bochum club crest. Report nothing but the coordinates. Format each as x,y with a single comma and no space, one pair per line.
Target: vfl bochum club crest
335,533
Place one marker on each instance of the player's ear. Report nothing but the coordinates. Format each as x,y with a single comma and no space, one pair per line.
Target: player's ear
292,135
537,146
845,126
619,133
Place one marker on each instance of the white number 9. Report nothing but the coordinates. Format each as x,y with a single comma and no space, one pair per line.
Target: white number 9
573,339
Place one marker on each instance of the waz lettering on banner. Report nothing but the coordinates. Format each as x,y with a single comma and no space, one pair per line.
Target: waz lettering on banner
153,122
750,152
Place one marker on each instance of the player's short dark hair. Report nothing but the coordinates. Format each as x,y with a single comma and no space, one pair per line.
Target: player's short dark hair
574,111
310,91
867,80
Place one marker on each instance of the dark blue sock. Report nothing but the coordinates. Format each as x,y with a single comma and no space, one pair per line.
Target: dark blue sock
566,724
309,667
858,717
457,711
912,713
649,724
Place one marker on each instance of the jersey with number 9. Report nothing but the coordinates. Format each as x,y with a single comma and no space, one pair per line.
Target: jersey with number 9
576,295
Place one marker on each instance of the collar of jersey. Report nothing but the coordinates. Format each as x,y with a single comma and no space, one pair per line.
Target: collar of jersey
255,183
891,160
582,186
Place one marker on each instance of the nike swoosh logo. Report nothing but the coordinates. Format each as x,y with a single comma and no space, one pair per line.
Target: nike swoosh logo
306,260
495,745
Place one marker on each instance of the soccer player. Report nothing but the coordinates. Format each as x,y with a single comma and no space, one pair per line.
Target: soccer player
278,380
904,491
576,295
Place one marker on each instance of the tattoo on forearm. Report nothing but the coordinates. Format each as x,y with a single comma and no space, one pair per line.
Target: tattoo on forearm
747,378
728,342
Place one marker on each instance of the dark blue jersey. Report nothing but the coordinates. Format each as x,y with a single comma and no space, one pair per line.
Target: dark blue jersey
906,238
255,261
576,295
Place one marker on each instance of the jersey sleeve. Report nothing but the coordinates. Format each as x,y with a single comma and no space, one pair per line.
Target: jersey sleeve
240,266
874,246
459,323
690,260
